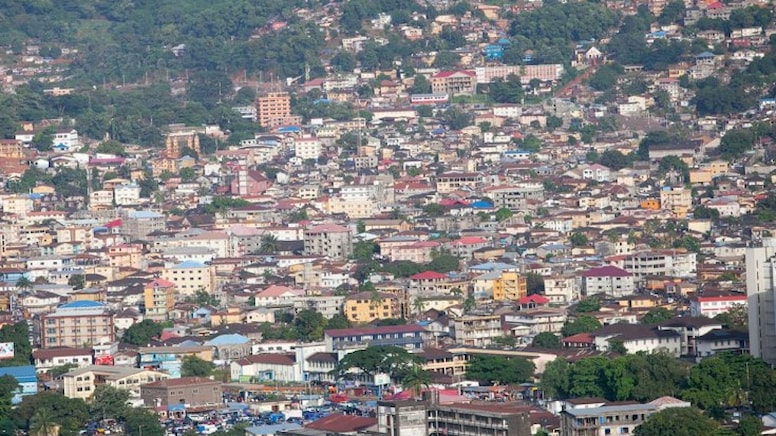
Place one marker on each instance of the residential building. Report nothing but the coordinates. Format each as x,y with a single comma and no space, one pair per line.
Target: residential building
190,276
410,336
449,182
604,420
454,83
179,139
195,393
365,307
159,299
476,330
249,183
274,109
280,367
330,240
47,358
81,382
722,341
711,305
609,280
676,199
511,286
638,337
138,224
77,323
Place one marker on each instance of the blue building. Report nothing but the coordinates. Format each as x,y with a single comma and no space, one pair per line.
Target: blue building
27,379
493,52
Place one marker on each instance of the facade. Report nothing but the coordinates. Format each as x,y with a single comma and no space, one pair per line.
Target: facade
365,307
27,379
274,109
46,359
713,305
609,280
761,299
159,299
677,200
189,277
604,420
477,331
196,393
77,323
81,382
138,224
330,240
409,336
454,83
449,182
510,286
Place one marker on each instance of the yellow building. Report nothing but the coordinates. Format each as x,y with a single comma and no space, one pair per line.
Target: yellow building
650,204
365,307
232,315
676,199
159,298
190,277
510,286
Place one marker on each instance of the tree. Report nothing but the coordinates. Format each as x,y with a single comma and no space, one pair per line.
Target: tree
546,340
309,324
376,360
750,426
499,369
614,160
657,315
677,421
583,324
469,303
578,239
193,366
338,321
415,379
142,422
19,334
23,284
456,118
534,283
503,214
71,414
111,147
590,304
444,263
77,281
58,371
736,142
555,378
268,244
142,333
42,423
736,318
109,402
420,85
43,140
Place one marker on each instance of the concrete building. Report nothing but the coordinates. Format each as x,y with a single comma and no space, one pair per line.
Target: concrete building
411,337
27,379
81,382
274,109
677,200
77,323
138,224
609,280
604,420
364,307
159,299
713,305
195,393
761,299
454,83
46,359
190,276
330,240
477,331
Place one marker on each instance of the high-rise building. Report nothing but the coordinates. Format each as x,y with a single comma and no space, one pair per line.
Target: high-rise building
761,297
274,108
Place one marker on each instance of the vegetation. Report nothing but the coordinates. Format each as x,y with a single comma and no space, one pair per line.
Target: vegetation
677,421
142,333
499,369
193,366
380,359
546,340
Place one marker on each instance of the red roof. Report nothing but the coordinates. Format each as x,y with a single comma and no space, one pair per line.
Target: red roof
408,328
161,283
606,271
428,275
533,298
341,423
445,74
579,338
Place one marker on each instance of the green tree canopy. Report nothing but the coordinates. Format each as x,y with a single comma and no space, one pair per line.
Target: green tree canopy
547,340
677,421
657,315
193,366
378,359
499,369
109,402
142,333
582,324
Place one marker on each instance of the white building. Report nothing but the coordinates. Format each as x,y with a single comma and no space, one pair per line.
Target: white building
609,280
713,305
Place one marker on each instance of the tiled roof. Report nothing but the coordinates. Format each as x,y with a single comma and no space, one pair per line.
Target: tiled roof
340,423
606,271
409,328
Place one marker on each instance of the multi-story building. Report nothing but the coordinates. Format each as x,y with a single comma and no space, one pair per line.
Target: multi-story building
516,197
159,299
660,263
81,382
526,73
274,109
609,280
46,359
604,420
454,83
711,305
307,148
180,138
196,393
330,240
190,276
510,286
365,307
761,299
77,323
410,336
676,199
475,330
449,182
138,224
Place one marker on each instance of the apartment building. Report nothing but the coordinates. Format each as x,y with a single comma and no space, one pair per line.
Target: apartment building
190,276
330,240
46,359
477,331
676,199
516,197
713,304
661,263
410,336
274,109
138,224
81,382
609,280
761,299
510,286
307,148
604,420
159,299
365,307
77,323
526,73
454,83
449,182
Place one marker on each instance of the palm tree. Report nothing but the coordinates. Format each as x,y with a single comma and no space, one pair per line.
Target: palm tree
415,379
418,305
24,284
269,244
42,423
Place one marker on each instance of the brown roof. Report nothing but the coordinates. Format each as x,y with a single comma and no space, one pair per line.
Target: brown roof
175,382
269,359
340,423
50,353
323,357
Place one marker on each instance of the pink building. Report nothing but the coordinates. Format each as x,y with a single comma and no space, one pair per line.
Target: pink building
249,183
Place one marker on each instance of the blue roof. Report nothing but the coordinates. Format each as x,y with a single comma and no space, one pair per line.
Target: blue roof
271,429
481,204
144,214
189,264
228,339
289,129
83,304
22,374
491,266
